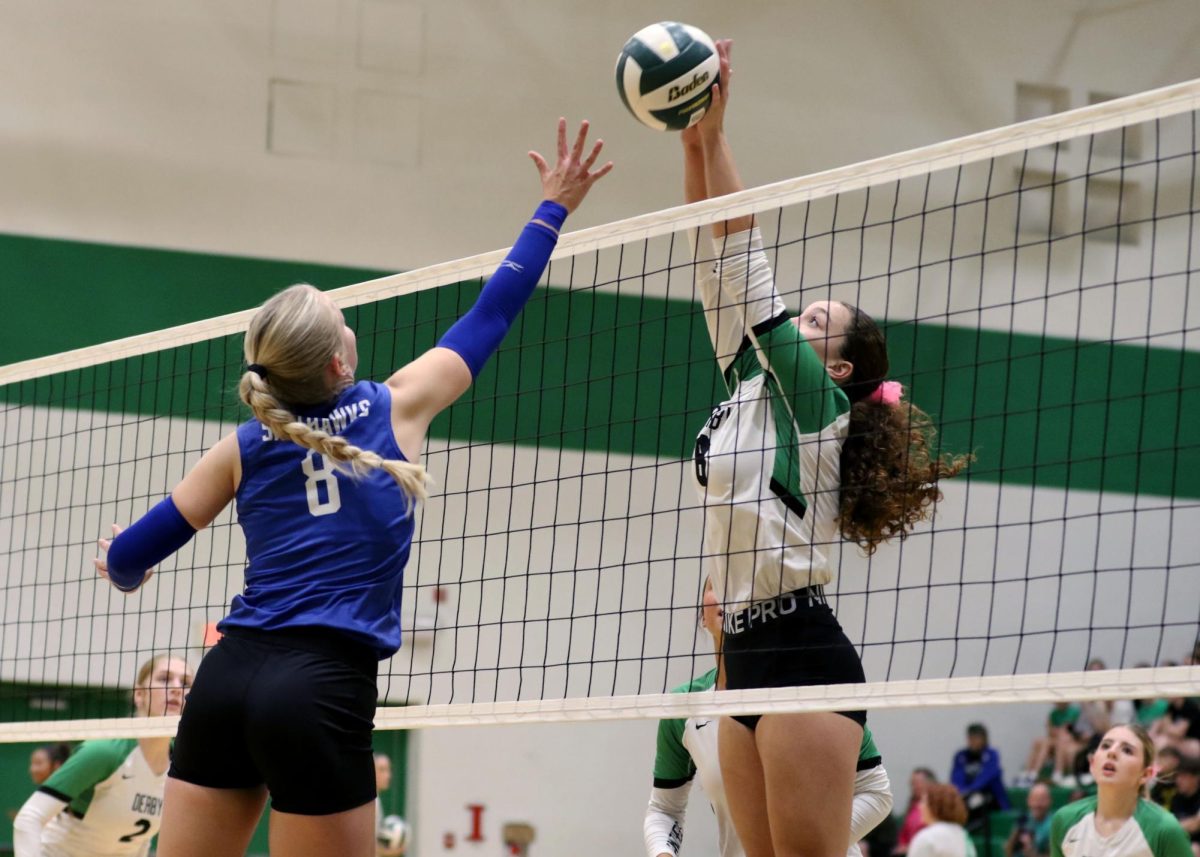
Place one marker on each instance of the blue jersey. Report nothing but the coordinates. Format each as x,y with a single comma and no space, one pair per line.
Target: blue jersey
325,548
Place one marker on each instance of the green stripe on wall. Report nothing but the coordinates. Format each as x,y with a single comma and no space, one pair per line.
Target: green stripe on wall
591,370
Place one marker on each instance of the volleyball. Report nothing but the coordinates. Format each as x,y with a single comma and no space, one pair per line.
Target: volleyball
393,833
665,75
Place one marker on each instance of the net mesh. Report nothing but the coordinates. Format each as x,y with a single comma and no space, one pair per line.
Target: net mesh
1034,287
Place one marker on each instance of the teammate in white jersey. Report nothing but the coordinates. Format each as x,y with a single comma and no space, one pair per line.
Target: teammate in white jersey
813,445
1119,821
687,750
107,798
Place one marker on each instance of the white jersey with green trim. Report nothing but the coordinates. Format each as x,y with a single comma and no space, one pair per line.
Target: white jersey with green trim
1150,832
115,802
768,461
687,750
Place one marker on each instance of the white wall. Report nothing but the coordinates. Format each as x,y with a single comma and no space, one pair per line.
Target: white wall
146,121
584,786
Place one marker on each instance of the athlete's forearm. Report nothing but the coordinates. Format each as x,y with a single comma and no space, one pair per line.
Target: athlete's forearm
663,826
27,826
477,335
153,538
722,177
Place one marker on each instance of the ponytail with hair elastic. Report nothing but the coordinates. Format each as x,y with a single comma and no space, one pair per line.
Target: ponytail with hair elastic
890,461
256,393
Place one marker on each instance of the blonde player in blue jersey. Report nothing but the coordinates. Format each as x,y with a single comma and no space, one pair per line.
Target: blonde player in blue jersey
687,751
1118,821
107,798
813,445
326,477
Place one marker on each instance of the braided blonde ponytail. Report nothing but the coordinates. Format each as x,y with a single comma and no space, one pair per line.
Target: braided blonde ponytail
295,335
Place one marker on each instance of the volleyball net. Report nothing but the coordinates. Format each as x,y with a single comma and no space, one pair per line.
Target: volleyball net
1033,283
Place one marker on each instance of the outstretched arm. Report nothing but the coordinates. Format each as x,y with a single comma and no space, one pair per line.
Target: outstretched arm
745,272
424,388
206,489
749,282
724,319
720,170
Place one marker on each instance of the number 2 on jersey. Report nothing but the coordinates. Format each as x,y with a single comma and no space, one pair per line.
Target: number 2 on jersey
317,474
143,826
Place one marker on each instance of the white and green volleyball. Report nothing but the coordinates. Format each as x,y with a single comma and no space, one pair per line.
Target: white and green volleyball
394,832
665,75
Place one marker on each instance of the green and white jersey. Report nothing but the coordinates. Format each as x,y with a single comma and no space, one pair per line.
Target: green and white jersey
1150,832
687,750
768,461
114,801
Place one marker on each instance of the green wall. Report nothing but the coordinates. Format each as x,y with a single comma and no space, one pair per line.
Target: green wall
588,369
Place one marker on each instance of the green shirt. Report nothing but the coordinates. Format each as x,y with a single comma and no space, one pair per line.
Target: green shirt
1150,832
1064,716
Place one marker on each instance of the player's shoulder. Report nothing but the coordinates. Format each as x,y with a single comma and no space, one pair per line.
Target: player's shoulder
91,762
115,750
705,681
1154,820
366,387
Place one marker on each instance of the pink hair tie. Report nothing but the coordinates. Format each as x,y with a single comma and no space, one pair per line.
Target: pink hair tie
887,393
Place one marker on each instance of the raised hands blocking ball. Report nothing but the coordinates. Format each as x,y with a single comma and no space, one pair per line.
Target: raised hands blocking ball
665,75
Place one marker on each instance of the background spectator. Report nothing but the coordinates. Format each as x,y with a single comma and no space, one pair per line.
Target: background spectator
1030,836
383,782
47,759
1166,761
943,834
1059,745
914,819
979,778
1179,727
1185,803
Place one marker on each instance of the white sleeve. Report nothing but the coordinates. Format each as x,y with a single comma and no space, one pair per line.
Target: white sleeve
663,827
27,826
747,279
872,801
723,317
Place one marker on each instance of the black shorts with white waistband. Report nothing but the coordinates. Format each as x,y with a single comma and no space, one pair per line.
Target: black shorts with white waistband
290,709
790,641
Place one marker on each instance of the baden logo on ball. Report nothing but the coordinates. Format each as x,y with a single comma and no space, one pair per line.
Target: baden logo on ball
665,75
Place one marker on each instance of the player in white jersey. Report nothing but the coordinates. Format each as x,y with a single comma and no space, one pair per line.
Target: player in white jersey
107,798
813,445
1118,821
687,750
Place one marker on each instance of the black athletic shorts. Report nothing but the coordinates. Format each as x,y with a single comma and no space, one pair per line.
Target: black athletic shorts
790,641
291,709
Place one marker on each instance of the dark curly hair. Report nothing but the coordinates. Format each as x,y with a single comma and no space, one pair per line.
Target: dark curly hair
890,466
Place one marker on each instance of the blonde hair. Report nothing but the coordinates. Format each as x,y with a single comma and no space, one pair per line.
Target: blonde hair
293,337
146,670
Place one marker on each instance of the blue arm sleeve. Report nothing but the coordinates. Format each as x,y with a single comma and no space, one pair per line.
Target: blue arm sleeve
156,535
476,336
